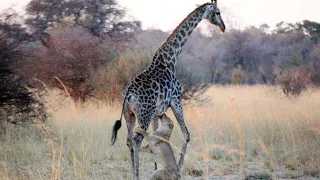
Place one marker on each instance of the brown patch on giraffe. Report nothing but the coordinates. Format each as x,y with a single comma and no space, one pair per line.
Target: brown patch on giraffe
131,117
131,114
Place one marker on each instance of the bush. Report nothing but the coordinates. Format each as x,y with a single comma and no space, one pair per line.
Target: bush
69,62
193,86
315,79
315,56
15,98
116,76
237,76
295,80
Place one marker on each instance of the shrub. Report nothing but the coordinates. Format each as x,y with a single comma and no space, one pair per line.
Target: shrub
69,61
15,98
295,80
116,76
315,78
315,56
193,86
237,76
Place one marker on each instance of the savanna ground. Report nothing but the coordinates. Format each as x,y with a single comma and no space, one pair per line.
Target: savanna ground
251,132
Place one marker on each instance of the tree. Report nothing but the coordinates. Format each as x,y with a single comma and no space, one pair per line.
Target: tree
312,28
14,96
100,17
10,26
315,56
68,61
246,51
283,28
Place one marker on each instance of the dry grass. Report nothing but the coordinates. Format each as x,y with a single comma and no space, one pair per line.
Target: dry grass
243,131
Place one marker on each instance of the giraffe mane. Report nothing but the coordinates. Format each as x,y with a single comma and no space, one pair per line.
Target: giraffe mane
175,31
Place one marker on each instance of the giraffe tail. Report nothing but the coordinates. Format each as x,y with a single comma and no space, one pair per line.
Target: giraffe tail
117,126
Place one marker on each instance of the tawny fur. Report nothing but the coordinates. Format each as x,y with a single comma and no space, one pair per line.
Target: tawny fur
159,144
164,130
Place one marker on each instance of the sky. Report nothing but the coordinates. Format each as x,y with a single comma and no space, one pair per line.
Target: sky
167,14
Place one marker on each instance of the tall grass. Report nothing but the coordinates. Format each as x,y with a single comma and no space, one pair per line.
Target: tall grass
243,130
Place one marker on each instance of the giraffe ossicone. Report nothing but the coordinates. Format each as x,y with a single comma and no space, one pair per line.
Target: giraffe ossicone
149,94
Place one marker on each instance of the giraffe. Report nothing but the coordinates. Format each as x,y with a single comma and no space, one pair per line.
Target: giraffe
149,94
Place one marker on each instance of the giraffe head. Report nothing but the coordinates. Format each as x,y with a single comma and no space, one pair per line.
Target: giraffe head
214,16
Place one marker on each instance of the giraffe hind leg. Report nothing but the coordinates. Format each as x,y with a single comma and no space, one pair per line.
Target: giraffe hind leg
130,121
144,124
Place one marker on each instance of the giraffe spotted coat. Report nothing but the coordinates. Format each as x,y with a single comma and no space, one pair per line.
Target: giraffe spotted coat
153,91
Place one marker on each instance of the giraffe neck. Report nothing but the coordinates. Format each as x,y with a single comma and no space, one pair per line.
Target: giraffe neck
180,35
168,53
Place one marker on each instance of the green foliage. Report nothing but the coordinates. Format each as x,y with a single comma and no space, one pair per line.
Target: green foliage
292,163
100,17
259,175
217,154
237,76
312,28
296,60
283,27
116,76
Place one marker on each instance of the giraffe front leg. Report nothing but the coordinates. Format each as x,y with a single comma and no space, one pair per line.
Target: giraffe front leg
136,151
155,125
177,109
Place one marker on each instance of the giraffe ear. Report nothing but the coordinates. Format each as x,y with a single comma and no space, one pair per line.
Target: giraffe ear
214,1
